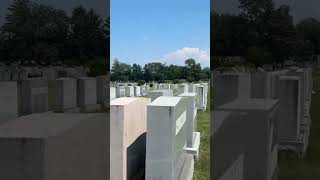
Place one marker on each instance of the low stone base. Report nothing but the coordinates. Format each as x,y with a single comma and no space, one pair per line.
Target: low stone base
185,167
196,144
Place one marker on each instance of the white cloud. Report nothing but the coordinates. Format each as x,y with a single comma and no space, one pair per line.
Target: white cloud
179,56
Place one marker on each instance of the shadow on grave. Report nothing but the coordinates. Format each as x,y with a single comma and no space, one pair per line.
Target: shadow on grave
136,154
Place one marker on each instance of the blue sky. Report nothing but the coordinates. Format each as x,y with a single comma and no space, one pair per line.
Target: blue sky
168,31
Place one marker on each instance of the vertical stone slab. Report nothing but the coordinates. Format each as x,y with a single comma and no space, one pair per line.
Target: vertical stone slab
166,138
120,91
225,89
64,94
192,88
261,122
129,91
228,135
128,121
112,93
8,101
191,122
137,91
157,93
86,91
289,113
182,88
102,94
244,89
34,96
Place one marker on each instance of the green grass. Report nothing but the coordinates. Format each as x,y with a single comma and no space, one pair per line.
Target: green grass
202,166
309,167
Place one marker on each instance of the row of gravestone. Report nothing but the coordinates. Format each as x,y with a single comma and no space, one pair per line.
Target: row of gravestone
154,138
38,95
255,116
125,90
49,73
42,144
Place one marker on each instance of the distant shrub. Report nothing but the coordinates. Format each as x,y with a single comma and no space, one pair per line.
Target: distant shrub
141,82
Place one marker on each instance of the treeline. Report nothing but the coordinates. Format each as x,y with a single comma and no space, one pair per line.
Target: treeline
263,34
159,72
40,34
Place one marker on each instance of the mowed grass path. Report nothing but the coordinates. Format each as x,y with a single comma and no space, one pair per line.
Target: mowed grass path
309,167
202,166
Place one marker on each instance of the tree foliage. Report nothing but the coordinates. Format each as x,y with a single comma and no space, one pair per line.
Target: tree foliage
46,35
159,72
263,33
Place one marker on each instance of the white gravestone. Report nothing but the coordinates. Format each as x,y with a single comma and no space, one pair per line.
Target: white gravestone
166,140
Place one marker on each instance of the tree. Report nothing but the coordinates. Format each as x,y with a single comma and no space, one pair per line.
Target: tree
309,35
136,72
282,40
258,56
193,69
120,71
86,30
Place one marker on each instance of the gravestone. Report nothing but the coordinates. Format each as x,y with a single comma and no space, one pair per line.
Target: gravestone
129,91
102,94
86,91
157,93
47,146
227,144
50,73
182,88
231,86
34,96
192,88
261,85
112,93
8,101
193,137
128,121
289,115
64,94
137,91
201,103
166,140
261,123
120,91
143,90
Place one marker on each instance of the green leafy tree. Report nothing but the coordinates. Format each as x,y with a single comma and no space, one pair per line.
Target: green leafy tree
136,73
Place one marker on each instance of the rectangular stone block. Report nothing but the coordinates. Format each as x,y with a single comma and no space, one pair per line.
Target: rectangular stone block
64,94
261,124
192,88
157,93
182,88
166,138
48,146
120,91
86,91
34,96
102,90
128,121
227,144
191,122
8,101
129,91
112,93
137,91
290,112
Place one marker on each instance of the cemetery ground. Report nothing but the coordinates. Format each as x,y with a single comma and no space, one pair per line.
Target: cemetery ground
309,167
202,166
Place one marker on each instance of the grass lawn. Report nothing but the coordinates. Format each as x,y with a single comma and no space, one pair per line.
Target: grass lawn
308,168
202,166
